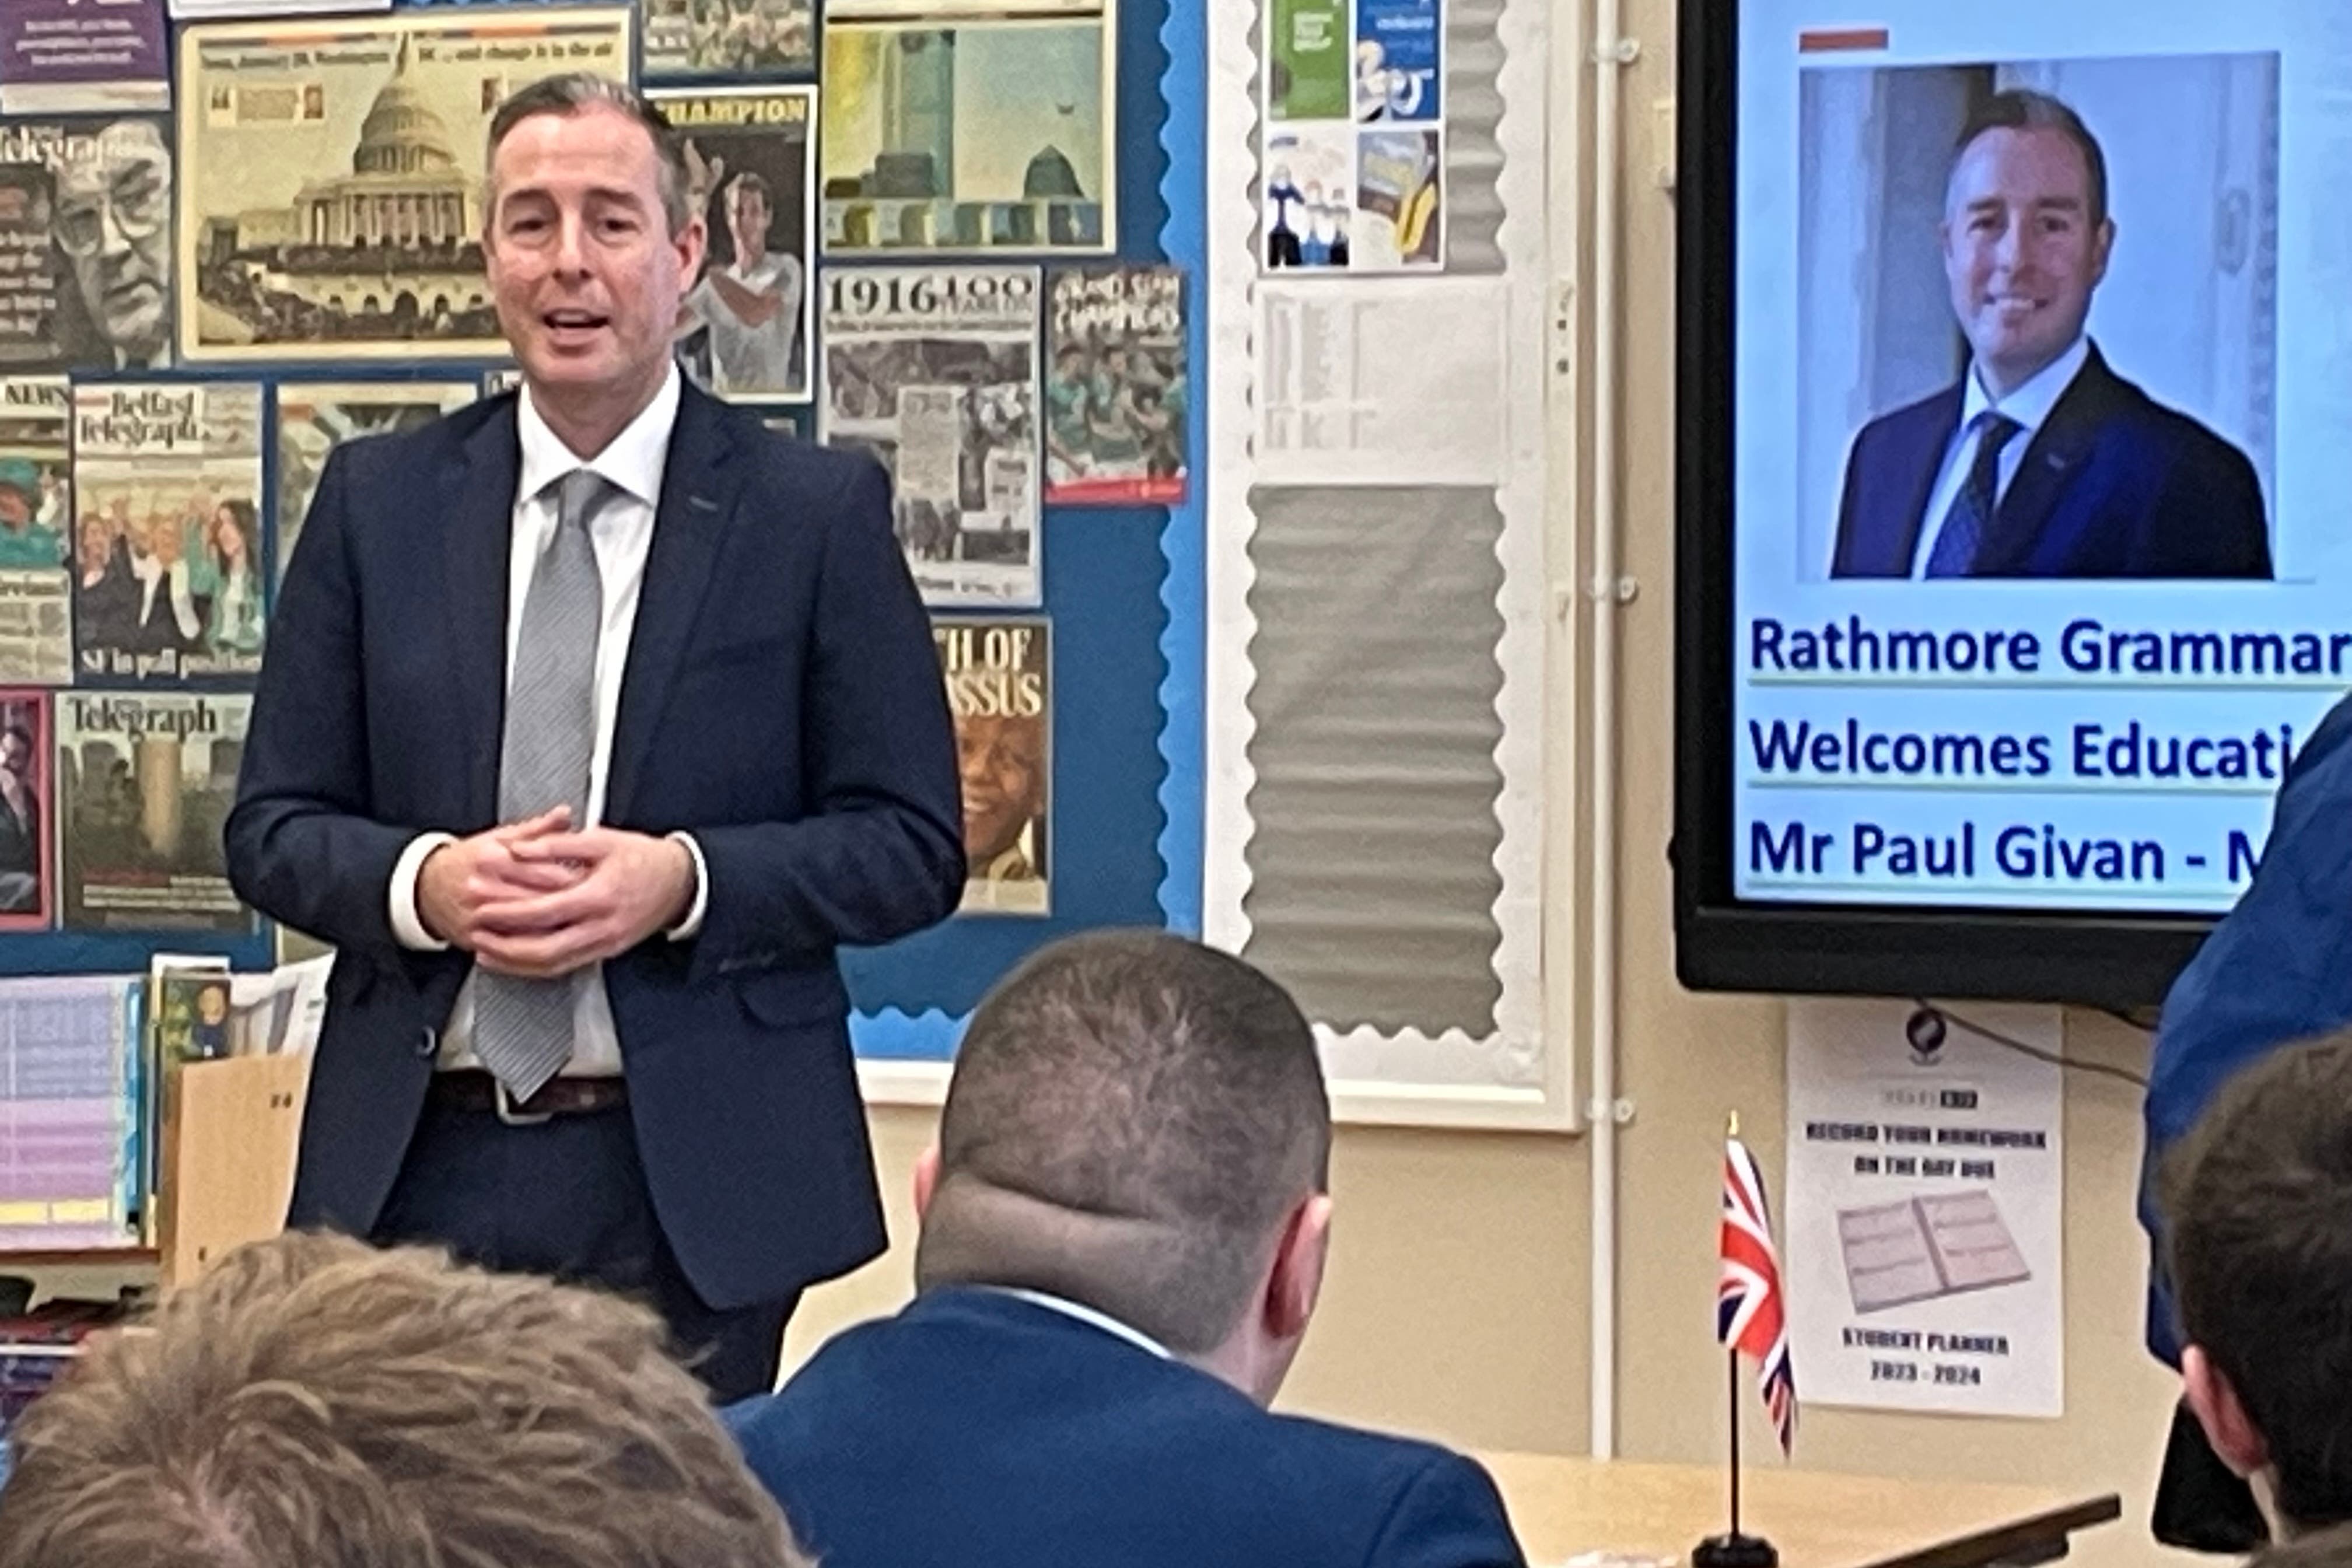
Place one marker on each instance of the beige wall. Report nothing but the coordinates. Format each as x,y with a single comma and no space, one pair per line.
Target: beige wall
1457,1300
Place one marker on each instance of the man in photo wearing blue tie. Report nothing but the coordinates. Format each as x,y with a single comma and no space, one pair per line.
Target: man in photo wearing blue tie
2041,461
593,720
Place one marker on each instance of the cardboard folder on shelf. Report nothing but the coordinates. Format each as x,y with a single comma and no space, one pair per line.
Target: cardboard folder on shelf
230,1130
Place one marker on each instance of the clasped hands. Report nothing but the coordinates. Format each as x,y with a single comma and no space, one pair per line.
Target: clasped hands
536,899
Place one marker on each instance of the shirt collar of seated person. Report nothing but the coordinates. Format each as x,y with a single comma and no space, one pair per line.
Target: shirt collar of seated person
311,1402
2255,1200
1137,1127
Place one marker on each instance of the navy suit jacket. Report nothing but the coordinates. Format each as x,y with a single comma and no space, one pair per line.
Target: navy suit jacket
982,1430
2114,484
2277,969
781,701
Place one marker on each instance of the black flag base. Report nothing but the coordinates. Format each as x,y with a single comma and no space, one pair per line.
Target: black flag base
1734,1550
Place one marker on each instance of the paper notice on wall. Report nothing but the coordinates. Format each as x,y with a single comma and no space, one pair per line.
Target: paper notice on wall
1925,1195
1392,383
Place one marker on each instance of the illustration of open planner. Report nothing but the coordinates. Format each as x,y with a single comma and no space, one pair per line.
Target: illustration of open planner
1925,1248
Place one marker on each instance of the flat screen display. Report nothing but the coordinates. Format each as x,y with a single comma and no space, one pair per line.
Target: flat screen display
2023,333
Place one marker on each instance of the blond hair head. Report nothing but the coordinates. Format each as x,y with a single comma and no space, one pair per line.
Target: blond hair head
314,1403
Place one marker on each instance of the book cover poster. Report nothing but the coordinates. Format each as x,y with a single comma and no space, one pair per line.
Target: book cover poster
999,688
1923,1203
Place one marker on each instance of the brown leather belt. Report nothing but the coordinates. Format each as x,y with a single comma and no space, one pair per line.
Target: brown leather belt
470,1089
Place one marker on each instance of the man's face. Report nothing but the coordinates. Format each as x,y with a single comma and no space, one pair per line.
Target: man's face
586,276
111,210
2021,251
748,219
212,1005
1004,780
15,754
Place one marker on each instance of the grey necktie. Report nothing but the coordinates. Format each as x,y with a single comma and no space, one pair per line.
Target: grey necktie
522,1028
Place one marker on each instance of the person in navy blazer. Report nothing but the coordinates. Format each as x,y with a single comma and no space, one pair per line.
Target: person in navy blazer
2276,969
775,761
1124,1227
2041,461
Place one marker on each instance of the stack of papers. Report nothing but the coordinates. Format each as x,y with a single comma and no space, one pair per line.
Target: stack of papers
72,1120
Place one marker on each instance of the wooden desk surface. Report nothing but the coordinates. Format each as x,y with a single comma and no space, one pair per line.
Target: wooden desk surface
1562,1506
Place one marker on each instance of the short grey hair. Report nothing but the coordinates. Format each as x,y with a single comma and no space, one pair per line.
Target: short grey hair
1131,1119
572,91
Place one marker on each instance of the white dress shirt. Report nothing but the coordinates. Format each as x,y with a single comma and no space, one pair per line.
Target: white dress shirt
2028,405
622,533
1087,1316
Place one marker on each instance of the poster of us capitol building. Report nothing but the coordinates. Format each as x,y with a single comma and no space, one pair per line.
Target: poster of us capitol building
332,177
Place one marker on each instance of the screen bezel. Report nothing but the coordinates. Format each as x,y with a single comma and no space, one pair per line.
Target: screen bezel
1723,943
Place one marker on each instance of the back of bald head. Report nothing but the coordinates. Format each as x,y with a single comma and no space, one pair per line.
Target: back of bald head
1132,1119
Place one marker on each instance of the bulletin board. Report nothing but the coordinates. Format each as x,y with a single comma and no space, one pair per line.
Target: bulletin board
1173,623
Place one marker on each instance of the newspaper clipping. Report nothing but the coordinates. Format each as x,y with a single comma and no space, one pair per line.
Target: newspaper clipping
934,371
331,187
85,244
146,782
167,578
750,168
315,418
999,688
24,813
969,125
35,519
688,38
1116,391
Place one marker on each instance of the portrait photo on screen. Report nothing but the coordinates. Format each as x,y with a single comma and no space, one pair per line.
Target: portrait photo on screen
2037,326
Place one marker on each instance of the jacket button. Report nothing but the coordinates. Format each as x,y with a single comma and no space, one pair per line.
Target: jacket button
429,1044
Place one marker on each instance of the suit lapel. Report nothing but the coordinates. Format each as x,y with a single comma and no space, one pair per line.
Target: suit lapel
477,504
2058,450
698,503
1924,462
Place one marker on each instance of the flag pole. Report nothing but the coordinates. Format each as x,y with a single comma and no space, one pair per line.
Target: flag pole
1736,1549
1731,1405
1733,1357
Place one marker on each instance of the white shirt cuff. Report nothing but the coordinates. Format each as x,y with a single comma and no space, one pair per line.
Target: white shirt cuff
692,926
407,925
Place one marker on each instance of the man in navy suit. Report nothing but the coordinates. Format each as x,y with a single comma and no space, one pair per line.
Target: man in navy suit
2041,461
2277,969
1123,1235
594,721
